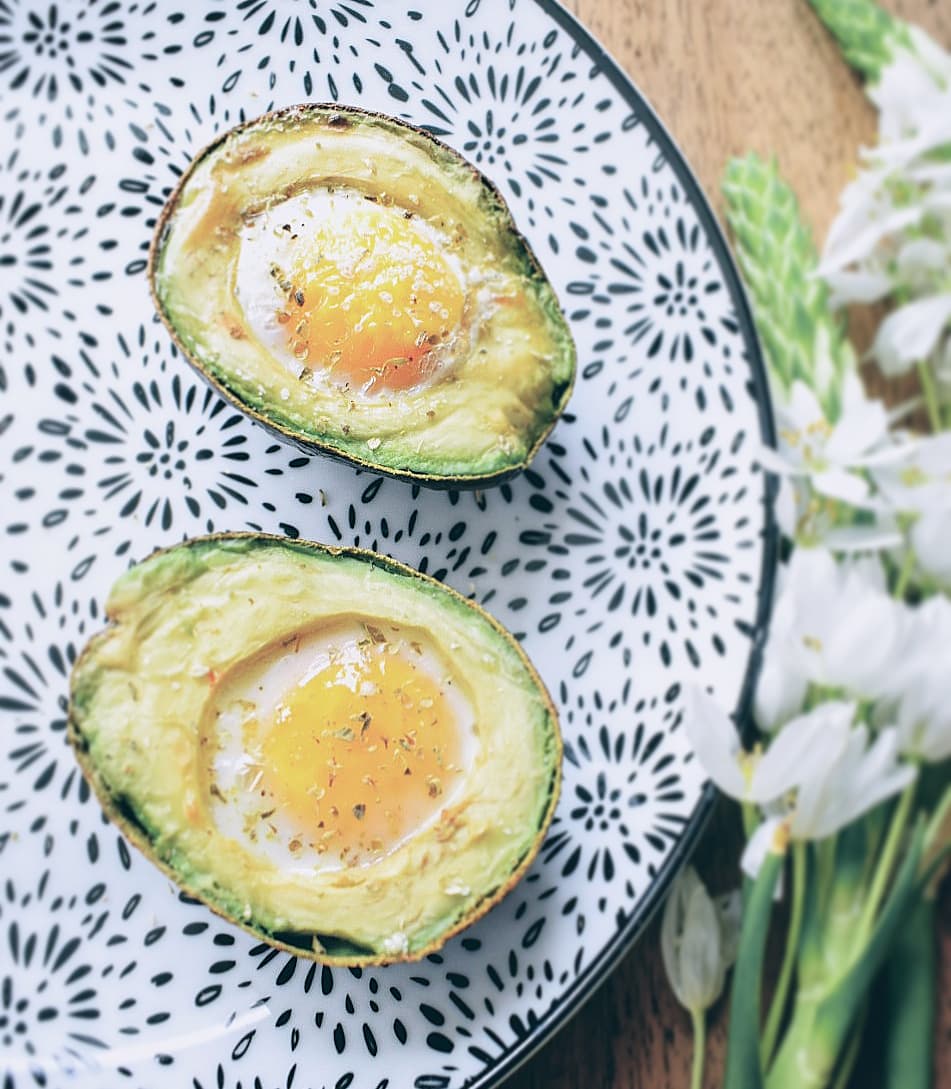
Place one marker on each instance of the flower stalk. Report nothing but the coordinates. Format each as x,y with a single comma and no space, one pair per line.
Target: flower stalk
930,391
744,1069
781,994
909,1002
699,1025
886,862
824,1016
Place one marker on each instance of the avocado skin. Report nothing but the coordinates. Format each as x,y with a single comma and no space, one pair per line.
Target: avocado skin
189,560
337,447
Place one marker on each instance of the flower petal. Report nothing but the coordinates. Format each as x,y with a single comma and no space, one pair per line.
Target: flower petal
861,286
853,240
780,690
878,537
860,779
801,750
691,942
931,540
786,507
919,260
862,426
908,335
715,741
841,484
730,913
701,965
782,463
765,840
860,646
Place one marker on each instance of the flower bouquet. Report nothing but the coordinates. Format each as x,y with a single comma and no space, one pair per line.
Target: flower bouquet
842,774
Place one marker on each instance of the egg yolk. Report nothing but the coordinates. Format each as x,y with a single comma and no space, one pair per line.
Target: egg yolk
369,297
361,753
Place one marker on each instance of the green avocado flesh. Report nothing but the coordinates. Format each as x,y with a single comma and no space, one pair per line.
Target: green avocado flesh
330,749
357,286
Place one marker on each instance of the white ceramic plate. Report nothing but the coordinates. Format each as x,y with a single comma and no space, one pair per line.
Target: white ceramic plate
633,559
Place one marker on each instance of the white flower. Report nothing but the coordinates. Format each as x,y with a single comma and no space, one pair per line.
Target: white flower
758,776
844,788
840,787
846,636
782,685
911,333
847,286
878,536
923,722
930,539
832,455
814,525
923,479
780,690
866,218
834,625
892,236
914,90
770,837
921,489
919,260
919,701
698,940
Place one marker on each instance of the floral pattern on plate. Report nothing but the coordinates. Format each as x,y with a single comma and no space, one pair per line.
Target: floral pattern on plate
631,559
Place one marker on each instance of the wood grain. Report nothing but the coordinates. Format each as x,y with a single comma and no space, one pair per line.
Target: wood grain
726,76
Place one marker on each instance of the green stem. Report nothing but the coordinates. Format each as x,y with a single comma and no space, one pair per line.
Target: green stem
886,864
776,1010
909,997
699,1047
750,820
744,1070
824,1018
847,1064
930,391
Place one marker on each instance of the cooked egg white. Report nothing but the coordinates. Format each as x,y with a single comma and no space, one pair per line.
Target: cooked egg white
333,748
353,291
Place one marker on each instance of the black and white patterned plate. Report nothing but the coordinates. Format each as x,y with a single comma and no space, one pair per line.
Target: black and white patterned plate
632,559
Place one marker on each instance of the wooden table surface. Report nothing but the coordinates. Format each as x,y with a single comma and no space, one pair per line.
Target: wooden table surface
726,76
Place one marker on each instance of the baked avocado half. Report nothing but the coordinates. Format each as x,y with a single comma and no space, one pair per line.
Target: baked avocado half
339,754
357,286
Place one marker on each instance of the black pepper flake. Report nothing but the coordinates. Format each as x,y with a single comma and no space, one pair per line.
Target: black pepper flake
299,297
359,811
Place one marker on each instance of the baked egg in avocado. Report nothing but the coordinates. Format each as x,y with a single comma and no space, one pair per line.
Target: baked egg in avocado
330,749
360,288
